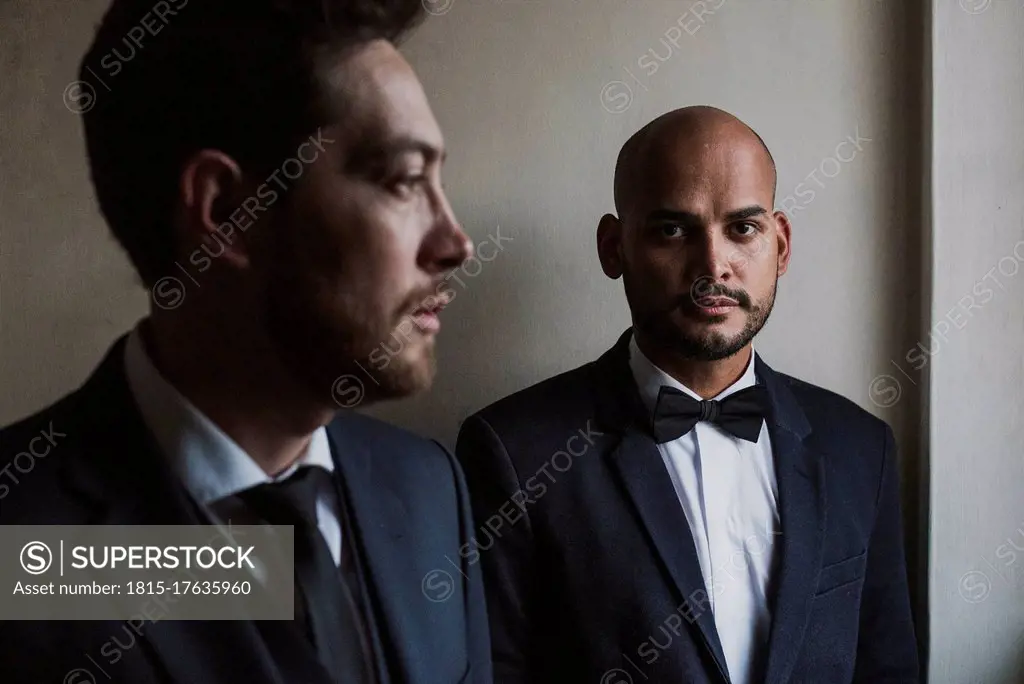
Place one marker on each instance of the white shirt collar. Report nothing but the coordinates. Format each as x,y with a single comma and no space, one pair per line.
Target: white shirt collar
649,378
210,464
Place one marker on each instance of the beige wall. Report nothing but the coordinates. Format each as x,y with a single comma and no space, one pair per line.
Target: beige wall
535,99
976,579
65,289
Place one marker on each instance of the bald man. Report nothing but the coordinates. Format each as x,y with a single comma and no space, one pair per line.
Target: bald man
676,511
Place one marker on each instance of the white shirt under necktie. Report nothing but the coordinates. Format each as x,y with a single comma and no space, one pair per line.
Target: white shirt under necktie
211,465
727,488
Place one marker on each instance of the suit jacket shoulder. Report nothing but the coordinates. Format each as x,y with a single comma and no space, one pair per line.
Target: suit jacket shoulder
856,445
831,410
537,420
409,457
32,451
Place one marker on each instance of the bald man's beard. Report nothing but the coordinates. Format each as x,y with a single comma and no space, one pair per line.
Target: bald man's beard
661,328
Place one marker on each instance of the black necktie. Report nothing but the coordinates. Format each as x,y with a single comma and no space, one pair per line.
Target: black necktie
331,616
739,414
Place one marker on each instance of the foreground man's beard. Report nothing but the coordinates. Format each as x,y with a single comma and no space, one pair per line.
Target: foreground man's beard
350,361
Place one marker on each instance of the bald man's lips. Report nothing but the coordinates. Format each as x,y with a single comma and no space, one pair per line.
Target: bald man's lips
715,306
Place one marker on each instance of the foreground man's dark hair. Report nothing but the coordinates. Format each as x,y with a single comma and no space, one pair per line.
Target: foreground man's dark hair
177,76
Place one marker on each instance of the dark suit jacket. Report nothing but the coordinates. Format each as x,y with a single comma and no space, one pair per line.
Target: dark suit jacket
591,572
406,499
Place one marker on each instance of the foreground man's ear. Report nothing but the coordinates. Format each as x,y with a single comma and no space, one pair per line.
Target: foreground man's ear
212,188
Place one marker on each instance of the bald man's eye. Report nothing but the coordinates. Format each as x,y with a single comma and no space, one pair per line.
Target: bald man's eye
746,229
670,230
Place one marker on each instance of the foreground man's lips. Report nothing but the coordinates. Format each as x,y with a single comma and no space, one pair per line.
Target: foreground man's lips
427,320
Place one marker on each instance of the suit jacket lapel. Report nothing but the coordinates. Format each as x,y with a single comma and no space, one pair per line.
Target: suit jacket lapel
638,463
642,470
800,478
377,515
121,478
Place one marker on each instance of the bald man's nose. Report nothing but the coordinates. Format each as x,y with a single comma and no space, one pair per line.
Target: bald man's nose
711,256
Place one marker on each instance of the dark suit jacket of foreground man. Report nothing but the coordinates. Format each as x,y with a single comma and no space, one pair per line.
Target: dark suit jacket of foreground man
590,568
405,497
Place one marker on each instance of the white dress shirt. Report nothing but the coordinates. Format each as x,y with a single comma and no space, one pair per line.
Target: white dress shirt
726,486
211,465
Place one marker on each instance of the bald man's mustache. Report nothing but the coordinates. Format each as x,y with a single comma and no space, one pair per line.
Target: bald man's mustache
704,287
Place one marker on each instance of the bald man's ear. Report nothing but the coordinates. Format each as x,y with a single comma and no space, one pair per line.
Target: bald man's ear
609,245
783,236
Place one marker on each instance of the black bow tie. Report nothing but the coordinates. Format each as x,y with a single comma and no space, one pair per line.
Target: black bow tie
740,413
